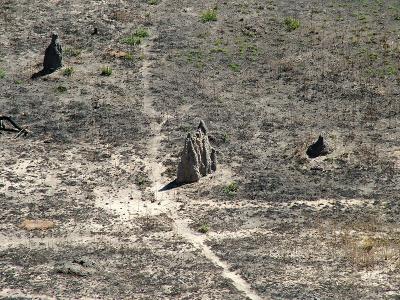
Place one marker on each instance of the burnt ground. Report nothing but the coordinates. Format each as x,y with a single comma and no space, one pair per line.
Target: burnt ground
281,225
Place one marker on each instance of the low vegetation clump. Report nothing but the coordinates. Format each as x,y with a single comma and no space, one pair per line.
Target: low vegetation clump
291,23
2,73
68,71
231,189
137,37
106,71
153,2
61,89
204,228
209,15
71,52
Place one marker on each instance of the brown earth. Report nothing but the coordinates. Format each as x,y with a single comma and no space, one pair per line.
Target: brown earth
270,223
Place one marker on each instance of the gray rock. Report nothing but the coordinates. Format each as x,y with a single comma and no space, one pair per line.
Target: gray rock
198,158
79,267
53,55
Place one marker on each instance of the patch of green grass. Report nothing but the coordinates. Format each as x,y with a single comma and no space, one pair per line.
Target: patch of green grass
61,89
210,15
142,33
196,58
225,138
234,67
231,189
137,37
128,56
106,71
2,73
204,228
68,71
291,23
72,52
153,2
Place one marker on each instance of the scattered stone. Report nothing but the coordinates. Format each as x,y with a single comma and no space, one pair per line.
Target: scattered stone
37,224
79,267
198,158
319,148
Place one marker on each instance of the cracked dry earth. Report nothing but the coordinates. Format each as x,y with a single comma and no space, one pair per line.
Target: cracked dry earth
102,148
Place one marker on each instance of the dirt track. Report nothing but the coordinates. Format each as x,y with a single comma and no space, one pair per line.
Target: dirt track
102,148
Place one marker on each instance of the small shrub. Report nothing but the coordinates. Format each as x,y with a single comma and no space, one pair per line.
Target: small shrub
61,89
2,73
291,23
68,71
204,228
142,33
106,71
231,189
210,15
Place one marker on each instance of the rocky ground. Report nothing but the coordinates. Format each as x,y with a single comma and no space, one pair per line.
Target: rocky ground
267,77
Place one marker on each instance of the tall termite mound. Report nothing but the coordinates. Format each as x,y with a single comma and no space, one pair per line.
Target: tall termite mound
198,158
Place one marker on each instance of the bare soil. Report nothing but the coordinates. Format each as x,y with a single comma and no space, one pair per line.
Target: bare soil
271,223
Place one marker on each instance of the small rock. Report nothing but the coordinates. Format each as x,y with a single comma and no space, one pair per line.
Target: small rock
79,267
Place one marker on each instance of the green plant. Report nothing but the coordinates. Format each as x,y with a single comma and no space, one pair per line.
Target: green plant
142,33
2,73
231,189
234,67
128,56
137,37
225,138
68,71
153,2
61,89
71,52
204,228
291,23
209,15
106,71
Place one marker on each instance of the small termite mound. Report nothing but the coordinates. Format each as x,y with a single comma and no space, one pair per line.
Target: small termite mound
319,148
198,158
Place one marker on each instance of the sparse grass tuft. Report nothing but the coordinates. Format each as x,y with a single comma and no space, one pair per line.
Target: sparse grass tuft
204,228
106,71
61,89
291,23
137,37
153,2
68,71
234,67
210,15
231,189
2,73
71,52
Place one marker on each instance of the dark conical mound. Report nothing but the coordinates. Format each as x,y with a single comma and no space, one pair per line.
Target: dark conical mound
52,57
198,158
319,148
